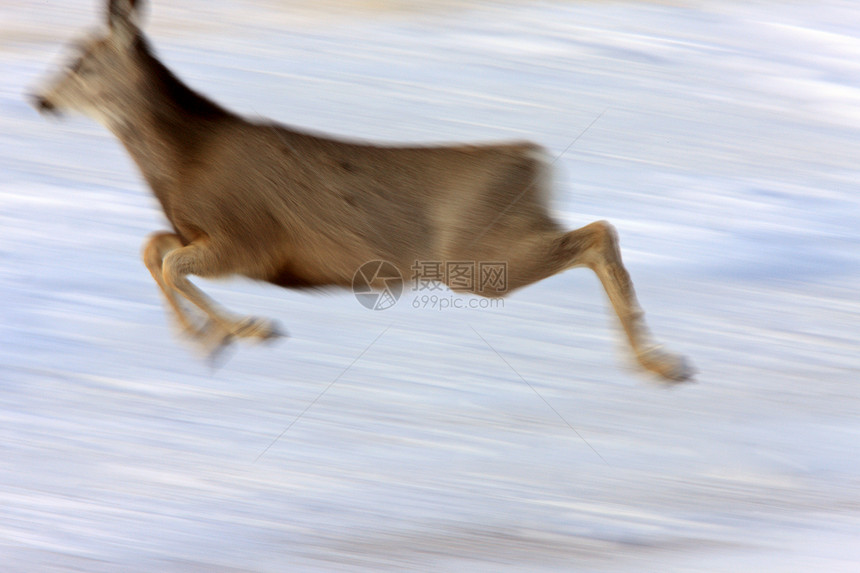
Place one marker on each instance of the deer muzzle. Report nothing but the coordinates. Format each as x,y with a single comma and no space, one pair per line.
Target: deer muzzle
43,105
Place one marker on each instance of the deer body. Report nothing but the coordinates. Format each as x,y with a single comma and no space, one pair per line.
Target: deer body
297,209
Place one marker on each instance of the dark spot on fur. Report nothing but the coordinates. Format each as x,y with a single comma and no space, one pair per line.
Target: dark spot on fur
288,277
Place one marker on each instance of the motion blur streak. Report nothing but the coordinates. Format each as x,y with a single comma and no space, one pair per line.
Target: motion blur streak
727,160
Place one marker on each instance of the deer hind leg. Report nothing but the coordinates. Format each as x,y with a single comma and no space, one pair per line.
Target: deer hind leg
596,246
170,264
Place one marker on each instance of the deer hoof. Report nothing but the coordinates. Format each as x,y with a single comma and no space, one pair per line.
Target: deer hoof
211,340
261,328
670,367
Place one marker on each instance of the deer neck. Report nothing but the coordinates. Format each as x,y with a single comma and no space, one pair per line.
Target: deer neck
163,124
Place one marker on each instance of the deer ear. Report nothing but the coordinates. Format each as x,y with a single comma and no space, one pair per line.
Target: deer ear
123,17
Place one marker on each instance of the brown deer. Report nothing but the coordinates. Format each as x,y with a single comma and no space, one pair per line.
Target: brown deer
296,209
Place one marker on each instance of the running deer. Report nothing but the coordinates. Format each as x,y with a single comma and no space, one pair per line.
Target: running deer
295,209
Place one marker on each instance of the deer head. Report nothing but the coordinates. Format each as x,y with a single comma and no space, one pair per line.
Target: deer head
102,71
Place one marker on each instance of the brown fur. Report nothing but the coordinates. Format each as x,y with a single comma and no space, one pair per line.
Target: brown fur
302,210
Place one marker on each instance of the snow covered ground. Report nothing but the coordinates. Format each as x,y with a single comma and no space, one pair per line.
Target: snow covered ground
411,439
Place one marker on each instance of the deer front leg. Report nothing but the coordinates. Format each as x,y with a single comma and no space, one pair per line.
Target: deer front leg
170,264
211,337
200,259
154,251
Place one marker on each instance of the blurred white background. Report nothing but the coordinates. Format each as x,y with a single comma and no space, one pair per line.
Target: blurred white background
726,155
